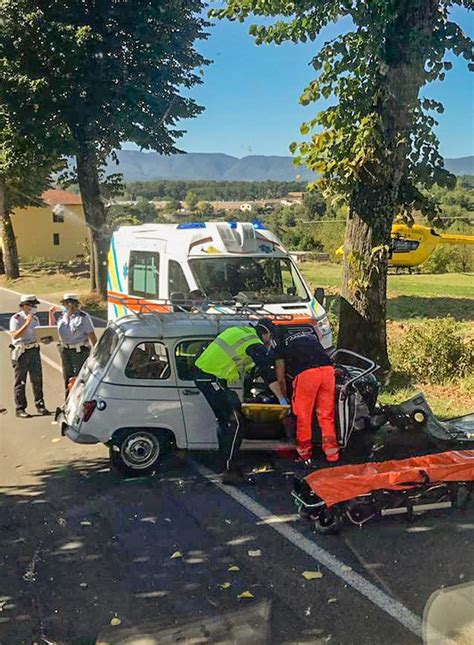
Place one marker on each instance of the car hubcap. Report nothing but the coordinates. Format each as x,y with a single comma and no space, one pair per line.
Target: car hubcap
140,451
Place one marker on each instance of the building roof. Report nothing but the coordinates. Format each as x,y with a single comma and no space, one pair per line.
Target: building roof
54,196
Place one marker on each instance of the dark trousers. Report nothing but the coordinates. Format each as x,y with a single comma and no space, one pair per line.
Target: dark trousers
28,363
72,362
226,406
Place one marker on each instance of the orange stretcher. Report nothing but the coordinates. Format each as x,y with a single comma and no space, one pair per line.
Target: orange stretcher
407,486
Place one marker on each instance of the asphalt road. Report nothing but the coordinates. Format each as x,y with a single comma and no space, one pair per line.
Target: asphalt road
86,556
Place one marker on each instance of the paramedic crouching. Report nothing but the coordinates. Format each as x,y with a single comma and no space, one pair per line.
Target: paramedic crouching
230,356
76,333
314,388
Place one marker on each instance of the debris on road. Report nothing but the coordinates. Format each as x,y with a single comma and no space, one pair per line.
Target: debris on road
175,555
312,575
234,567
115,621
245,594
254,554
225,585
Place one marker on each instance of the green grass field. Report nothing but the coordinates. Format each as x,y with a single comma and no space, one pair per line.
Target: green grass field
412,299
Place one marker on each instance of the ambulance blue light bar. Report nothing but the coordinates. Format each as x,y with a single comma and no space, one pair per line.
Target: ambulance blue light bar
259,225
190,225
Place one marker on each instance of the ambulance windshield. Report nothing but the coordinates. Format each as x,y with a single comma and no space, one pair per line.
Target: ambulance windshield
255,279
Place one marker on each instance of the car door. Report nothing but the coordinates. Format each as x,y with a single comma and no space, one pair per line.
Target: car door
200,422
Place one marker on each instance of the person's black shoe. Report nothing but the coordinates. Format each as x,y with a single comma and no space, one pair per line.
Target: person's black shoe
23,414
43,411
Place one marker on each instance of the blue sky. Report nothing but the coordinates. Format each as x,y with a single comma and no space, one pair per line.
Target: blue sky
251,95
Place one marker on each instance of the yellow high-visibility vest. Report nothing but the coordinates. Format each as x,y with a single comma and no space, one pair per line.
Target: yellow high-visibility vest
226,356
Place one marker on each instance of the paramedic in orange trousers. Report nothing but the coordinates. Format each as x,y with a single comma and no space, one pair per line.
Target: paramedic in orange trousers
314,389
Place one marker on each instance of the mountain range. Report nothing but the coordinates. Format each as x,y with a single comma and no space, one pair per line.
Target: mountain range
146,166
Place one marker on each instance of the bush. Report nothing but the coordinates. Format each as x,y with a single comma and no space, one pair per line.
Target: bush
436,351
450,259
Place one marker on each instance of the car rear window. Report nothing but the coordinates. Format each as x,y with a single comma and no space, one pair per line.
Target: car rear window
105,347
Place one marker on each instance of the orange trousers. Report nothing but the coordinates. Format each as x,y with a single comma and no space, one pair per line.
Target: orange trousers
315,388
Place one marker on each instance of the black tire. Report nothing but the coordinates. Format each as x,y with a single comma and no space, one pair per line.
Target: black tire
137,452
328,522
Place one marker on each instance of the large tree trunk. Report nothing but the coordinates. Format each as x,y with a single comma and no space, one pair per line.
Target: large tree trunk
10,250
374,200
364,288
94,209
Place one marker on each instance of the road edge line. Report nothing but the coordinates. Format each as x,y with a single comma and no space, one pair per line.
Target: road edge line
394,608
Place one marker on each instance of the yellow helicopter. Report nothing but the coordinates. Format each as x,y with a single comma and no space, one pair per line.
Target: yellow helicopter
413,245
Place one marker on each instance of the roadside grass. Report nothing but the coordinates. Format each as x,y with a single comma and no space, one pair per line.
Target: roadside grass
413,299
53,286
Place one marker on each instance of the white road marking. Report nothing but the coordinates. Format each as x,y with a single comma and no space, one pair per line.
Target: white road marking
379,598
48,302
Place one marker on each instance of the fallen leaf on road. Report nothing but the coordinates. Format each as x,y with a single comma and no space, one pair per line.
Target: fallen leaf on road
115,621
83,585
255,554
331,600
56,439
225,585
312,575
234,567
86,523
176,554
167,519
245,594
345,567
19,466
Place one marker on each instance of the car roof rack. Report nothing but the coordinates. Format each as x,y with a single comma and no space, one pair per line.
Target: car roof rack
199,309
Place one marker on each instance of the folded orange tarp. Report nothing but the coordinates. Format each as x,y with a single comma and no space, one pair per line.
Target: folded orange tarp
334,485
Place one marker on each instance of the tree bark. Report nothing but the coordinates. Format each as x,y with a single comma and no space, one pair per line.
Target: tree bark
10,250
375,198
94,210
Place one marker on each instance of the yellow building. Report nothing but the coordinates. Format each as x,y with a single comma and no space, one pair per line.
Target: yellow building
55,231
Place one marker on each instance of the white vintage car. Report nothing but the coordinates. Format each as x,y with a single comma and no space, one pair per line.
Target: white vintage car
136,391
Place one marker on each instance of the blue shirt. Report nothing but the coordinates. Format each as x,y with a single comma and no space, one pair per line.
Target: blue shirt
301,351
75,329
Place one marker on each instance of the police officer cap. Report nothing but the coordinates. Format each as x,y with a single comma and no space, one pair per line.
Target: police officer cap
70,296
265,326
30,299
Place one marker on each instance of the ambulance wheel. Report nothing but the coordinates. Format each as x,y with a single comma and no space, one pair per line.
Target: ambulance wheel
136,452
328,522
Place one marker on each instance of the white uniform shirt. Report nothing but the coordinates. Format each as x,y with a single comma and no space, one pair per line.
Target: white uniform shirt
75,329
16,322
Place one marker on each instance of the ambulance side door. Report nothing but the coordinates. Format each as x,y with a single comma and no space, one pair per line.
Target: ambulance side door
199,420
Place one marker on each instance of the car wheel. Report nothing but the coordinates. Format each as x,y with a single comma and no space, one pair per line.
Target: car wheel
137,452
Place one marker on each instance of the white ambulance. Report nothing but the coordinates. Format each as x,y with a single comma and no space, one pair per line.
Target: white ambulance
225,264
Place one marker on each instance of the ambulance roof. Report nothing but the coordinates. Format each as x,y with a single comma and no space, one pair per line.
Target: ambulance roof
176,325
203,238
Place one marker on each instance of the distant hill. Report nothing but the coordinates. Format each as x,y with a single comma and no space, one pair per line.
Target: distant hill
146,166
460,166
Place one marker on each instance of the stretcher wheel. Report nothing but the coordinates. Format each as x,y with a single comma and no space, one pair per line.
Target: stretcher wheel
328,522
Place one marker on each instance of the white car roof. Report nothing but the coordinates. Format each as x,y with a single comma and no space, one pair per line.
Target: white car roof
176,325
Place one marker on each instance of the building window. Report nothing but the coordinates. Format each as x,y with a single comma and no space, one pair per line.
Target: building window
143,276
56,239
58,218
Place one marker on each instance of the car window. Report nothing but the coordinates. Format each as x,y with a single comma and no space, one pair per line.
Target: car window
105,347
186,354
177,282
148,361
143,276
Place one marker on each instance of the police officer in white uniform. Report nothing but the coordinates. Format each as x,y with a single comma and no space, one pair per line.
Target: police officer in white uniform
25,356
76,334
